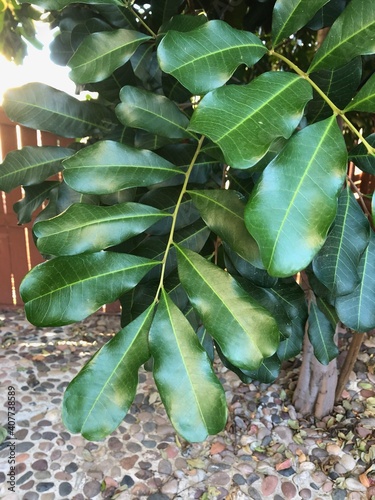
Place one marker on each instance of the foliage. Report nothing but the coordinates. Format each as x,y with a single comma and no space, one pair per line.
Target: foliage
210,175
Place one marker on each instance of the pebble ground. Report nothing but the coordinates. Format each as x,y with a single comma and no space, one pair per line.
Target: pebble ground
267,451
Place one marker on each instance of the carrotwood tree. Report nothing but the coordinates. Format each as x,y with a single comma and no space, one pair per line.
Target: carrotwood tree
208,192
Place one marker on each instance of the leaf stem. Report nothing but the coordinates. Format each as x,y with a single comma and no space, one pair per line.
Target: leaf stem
135,13
333,106
175,213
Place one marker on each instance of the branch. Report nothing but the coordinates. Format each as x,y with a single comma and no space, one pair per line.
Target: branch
333,106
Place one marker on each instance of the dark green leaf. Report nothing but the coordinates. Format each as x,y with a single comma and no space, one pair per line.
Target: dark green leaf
88,228
154,113
268,370
294,204
34,197
192,395
260,112
338,84
100,54
68,289
222,210
98,398
205,58
351,35
362,158
365,99
327,14
290,15
225,307
336,263
321,333
357,309
39,106
60,4
31,165
108,166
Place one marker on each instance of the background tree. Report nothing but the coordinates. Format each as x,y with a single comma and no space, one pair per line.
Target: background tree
208,192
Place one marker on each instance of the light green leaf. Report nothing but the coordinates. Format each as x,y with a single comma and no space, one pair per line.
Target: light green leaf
108,166
244,120
362,158
34,197
321,333
365,99
293,206
155,113
244,330
191,393
291,15
68,289
223,212
98,398
60,4
336,263
205,58
31,165
357,309
351,35
100,54
86,228
39,106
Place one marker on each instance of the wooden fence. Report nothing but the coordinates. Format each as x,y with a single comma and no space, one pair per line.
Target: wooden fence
17,250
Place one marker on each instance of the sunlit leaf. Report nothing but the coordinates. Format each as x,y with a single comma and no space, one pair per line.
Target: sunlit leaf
351,35
68,289
289,16
365,99
39,106
191,393
294,204
88,228
100,54
244,120
98,398
31,165
108,166
205,58
244,330
151,112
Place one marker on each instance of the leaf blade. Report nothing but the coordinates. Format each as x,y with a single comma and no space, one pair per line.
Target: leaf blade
321,333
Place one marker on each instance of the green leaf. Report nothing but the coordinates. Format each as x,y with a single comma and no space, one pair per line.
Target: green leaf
290,15
189,389
222,211
98,398
351,35
39,106
362,158
31,165
34,197
293,206
268,370
321,333
261,111
68,289
338,84
154,113
100,54
336,263
356,309
205,58
244,330
108,166
86,228
365,99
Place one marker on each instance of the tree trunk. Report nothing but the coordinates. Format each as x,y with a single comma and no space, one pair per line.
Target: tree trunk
315,391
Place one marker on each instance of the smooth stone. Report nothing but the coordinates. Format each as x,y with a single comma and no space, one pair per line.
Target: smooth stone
65,489
23,447
44,486
30,495
91,489
289,490
148,443
339,494
238,479
219,479
252,478
129,462
165,467
269,484
348,462
43,474
24,478
72,467
170,488
133,447
158,496
305,494
127,481
114,444
28,485
253,494
287,472
354,485
40,465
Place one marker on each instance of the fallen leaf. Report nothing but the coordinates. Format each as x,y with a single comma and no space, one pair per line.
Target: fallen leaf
364,480
284,465
217,448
